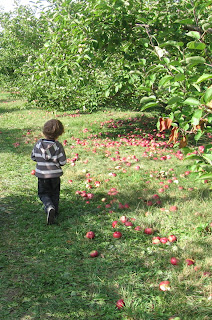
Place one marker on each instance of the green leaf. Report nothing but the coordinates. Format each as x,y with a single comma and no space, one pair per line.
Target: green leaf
196,45
149,105
208,95
147,99
187,150
192,101
142,88
164,80
174,100
208,158
185,21
186,127
206,176
198,135
196,117
204,77
107,93
179,77
193,157
195,60
210,118
193,34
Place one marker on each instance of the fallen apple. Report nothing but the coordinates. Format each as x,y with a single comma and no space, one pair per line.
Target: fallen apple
138,228
173,208
117,234
94,254
33,172
163,240
148,231
174,261
114,224
172,238
165,285
123,219
120,303
156,240
128,224
190,262
90,235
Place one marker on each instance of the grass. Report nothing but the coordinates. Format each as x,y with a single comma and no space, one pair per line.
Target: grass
46,271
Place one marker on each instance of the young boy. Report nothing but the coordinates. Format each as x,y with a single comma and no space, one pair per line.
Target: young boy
50,156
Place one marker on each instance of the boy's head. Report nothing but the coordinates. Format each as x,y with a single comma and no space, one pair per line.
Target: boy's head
52,129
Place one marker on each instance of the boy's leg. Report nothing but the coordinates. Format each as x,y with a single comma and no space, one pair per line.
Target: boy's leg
44,192
55,194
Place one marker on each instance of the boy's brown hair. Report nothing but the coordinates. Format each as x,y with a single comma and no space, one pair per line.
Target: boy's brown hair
52,129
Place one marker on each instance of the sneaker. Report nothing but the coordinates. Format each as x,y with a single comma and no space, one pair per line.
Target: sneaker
50,215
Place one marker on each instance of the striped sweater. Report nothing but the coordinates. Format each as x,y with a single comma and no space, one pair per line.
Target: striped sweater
50,156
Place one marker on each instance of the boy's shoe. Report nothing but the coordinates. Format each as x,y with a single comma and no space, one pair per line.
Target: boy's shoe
50,215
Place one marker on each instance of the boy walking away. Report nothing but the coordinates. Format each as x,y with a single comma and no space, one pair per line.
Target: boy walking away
49,155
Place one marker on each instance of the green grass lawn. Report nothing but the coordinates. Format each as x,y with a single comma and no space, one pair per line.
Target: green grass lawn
47,272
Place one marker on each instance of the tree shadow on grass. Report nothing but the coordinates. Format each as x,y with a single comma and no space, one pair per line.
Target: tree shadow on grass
19,141
50,274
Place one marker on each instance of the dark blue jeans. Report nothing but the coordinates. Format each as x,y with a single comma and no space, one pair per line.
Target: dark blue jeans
49,192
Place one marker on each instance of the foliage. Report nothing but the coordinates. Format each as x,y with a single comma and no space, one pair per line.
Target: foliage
139,55
21,37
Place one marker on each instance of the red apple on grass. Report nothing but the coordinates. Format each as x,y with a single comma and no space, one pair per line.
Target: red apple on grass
165,285
172,238
117,234
114,224
90,235
163,240
123,219
138,228
173,208
156,240
190,262
174,261
94,254
120,303
33,172
148,231
128,224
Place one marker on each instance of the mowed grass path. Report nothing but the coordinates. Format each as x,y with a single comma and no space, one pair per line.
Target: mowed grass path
115,168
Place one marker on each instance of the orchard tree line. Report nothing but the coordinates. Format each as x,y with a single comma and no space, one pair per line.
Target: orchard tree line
133,54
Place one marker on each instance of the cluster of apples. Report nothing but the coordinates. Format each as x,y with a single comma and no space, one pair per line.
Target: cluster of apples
164,240
86,196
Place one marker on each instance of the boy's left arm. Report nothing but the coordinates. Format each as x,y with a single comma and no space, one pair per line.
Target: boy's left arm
33,155
62,156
